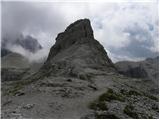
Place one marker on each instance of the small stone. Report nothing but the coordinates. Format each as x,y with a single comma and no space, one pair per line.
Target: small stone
93,87
19,93
69,80
28,106
7,102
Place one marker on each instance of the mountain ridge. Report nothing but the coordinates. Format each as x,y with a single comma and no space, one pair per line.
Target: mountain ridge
28,42
146,69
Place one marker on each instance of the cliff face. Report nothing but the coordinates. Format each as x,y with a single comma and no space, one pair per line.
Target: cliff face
76,52
78,30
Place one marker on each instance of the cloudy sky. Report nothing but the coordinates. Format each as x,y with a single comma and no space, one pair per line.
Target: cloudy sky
127,30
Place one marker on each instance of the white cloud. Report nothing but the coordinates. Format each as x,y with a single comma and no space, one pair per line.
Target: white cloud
39,56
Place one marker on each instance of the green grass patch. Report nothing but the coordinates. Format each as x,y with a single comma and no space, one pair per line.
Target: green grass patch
111,95
106,116
13,90
98,105
129,110
133,92
130,92
16,86
151,97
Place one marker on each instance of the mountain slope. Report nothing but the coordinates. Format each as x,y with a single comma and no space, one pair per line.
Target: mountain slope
15,66
14,60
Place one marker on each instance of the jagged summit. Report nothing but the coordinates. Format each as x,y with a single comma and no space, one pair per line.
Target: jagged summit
76,50
82,27
74,32
79,29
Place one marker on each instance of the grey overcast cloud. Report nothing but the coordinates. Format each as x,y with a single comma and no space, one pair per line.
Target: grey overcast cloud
128,30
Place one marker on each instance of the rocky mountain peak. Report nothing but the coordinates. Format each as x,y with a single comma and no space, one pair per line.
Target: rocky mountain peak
79,29
76,50
82,27
75,32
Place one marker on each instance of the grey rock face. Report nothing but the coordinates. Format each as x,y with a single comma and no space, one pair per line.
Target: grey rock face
76,52
75,32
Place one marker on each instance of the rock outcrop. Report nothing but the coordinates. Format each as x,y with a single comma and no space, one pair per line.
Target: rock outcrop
77,53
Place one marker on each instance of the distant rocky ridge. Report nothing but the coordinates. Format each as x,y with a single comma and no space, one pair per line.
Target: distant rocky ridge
27,42
14,60
14,66
147,69
5,52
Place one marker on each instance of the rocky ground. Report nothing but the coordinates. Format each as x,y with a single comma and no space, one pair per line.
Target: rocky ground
106,96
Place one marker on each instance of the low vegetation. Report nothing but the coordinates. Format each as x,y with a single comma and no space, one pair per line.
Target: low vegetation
106,116
14,89
100,103
111,95
130,92
16,86
151,97
129,110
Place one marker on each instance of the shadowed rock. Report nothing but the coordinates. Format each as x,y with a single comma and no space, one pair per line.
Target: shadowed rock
77,53
73,33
